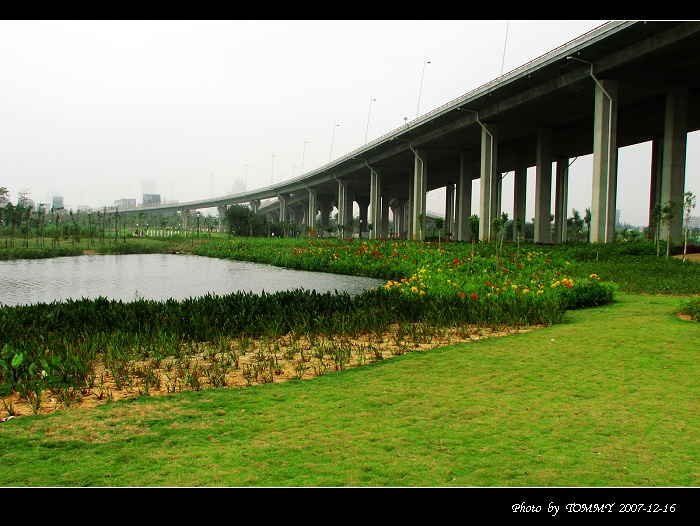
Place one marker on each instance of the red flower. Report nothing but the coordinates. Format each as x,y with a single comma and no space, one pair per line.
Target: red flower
461,294
474,296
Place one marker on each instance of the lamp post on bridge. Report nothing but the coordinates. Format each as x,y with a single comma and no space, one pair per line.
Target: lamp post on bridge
421,84
371,100
302,156
335,125
272,171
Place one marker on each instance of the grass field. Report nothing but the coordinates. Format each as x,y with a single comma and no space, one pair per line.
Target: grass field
609,398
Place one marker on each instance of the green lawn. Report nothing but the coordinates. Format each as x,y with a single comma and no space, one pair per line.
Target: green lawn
608,398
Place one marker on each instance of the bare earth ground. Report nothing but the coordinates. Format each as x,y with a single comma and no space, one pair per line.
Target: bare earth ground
262,362
691,257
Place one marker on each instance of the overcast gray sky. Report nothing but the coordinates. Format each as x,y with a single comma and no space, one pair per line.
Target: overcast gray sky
91,109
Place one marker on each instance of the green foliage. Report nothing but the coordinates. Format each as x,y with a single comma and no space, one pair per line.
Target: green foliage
242,221
690,308
441,285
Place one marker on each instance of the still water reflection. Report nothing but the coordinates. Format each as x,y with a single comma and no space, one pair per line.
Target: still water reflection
156,277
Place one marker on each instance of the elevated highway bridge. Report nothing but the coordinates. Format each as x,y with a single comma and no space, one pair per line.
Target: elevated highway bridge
620,84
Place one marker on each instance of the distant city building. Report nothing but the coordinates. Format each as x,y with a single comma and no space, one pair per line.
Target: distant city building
27,202
57,202
148,186
151,199
125,203
238,186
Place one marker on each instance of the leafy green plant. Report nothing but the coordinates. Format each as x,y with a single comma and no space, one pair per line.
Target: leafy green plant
689,203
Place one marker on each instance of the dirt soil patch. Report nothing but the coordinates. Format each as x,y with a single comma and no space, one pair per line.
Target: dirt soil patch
235,363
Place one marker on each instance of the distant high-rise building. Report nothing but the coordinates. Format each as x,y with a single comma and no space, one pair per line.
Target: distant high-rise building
238,186
148,186
151,199
125,203
57,202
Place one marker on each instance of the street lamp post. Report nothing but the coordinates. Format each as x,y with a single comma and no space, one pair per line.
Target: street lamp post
198,214
302,156
371,100
335,125
421,84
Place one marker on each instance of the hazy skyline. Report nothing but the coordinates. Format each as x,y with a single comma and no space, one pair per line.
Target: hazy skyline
91,109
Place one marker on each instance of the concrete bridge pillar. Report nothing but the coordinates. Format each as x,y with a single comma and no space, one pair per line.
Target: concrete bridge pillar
420,186
657,149
363,202
296,215
561,201
463,201
325,202
222,217
375,204
674,157
603,198
398,213
254,205
543,186
408,207
488,177
519,197
284,204
312,212
344,207
449,210
384,230
183,216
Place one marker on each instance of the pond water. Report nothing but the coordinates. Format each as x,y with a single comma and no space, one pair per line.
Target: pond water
156,277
